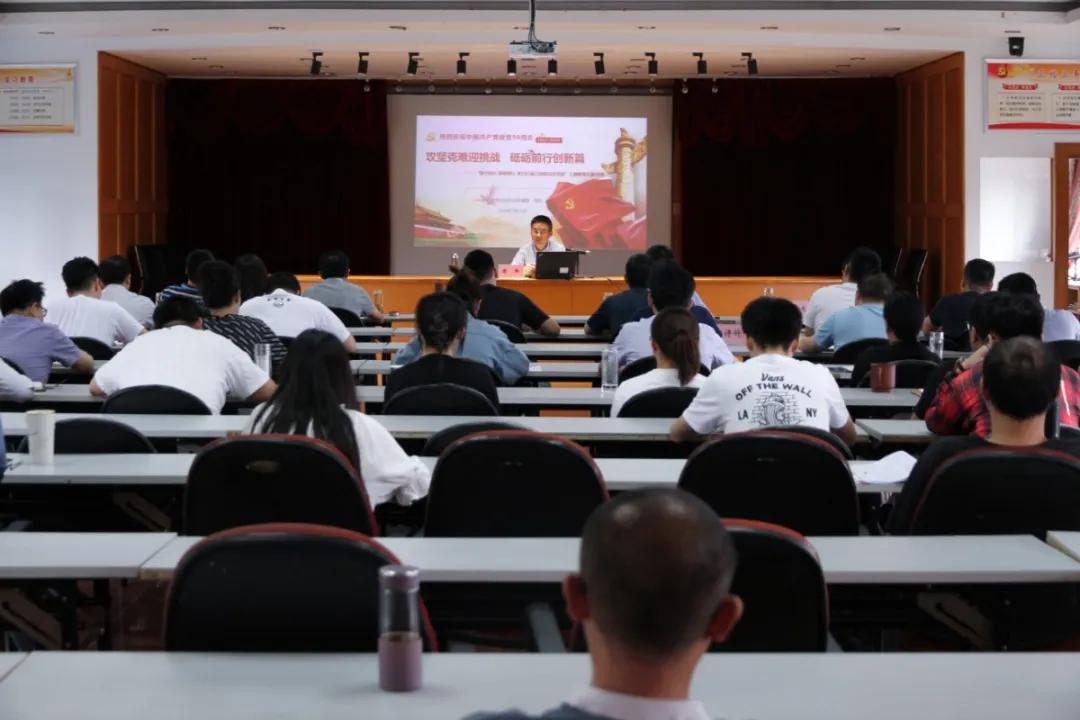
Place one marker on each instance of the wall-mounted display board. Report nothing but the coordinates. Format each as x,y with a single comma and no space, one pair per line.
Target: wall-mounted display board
37,98
1032,95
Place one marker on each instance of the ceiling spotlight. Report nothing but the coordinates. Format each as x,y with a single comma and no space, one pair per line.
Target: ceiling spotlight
461,63
431,88
362,66
652,88
751,63
487,87
892,29
543,88
714,88
316,63
702,66
614,86
519,89
598,63
511,67
276,27
553,67
397,88
685,87
654,66
367,86
414,63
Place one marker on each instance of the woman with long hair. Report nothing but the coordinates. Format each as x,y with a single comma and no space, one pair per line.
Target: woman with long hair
316,396
674,337
251,272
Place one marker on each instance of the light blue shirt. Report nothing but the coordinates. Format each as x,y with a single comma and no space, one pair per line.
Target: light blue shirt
484,343
1060,325
634,342
340,293
527,254
854,323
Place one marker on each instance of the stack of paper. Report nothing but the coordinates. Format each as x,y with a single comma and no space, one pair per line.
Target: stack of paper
893,468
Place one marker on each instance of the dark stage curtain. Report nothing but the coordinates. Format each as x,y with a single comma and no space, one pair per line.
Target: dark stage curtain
282,168
784,177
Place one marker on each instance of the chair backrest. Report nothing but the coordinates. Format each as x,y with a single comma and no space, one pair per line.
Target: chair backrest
667,402
512,332
909,373
95,435
892,261
850,352
153,267
1068,351
839,445
348,317
252,479
94,348
993,491
782,585
648,364
440,399
13,365
787,478
154,400
512,484
280,588
911,269
443,439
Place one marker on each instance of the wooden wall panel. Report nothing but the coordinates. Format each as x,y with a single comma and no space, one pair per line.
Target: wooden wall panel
930,171
132,199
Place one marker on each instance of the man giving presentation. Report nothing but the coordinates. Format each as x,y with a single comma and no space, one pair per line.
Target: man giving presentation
540,228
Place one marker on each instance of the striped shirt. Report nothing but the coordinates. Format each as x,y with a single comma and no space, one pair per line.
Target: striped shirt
247,332
183,290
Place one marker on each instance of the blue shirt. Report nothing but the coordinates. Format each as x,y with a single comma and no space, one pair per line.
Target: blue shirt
485,344
340,293
183,290
854,323
34,346
619,309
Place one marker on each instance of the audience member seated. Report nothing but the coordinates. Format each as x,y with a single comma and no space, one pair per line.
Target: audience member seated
221,295
674,335
628,305
1057,324
1020,379
866,319
669,286
252,275
440,322
652,595
833,298
504,304
288,314
663,252
903,316
959,407
771,388
115,275
189,289
180,354
29,342
978,336
336,291
952,313
483,342
317,392
84,314
14,386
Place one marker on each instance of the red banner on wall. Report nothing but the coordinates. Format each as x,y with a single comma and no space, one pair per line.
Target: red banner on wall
1023,95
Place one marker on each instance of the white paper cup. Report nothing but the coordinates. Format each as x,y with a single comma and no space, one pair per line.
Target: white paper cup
41,431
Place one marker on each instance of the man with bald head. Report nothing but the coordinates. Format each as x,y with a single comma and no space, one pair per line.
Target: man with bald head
652,595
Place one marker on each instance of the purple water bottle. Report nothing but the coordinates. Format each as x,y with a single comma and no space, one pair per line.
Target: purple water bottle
400,643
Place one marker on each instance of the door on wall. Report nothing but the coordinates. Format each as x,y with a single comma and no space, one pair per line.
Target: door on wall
1066,221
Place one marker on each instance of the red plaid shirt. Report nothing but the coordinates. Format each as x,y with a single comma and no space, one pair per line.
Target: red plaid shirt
959,409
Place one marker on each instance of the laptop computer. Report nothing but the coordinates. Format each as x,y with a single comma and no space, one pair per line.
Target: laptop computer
557,265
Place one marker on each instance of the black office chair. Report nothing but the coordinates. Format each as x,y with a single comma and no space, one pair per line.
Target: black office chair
989,491
668,402
647,364
909,275
280,588
94,348
909,373
1068,351
512,484
839,445
351,319
782,586
153,400
787,478
153,267
512,332
95,436
847,354
443,439
893,261
253,479
440,399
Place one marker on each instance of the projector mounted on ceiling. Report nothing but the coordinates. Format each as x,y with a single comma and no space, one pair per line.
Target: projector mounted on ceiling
532,47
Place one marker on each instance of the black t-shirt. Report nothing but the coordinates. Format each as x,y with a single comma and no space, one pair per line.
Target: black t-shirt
431,369
889,353
951,314
510,306
903,512
617,310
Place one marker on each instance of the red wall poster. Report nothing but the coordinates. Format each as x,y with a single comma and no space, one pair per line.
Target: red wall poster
1027,95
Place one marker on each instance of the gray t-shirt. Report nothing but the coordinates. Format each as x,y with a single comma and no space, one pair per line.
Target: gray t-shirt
340,293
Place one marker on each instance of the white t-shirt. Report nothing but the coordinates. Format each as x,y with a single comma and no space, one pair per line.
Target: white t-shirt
140,306
85,316
659,378
388,473
200,362
767,391
14,386
827,300
289,315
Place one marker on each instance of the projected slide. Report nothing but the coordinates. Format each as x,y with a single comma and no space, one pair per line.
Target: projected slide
479,180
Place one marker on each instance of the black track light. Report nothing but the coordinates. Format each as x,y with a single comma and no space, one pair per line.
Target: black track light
751,63
414,63
316,63
654,66
598,63
461,63
553,67
511,67
702,66
362,66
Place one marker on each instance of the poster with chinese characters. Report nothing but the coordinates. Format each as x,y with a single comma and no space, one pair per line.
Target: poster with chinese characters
1029,95
480,179
37,99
